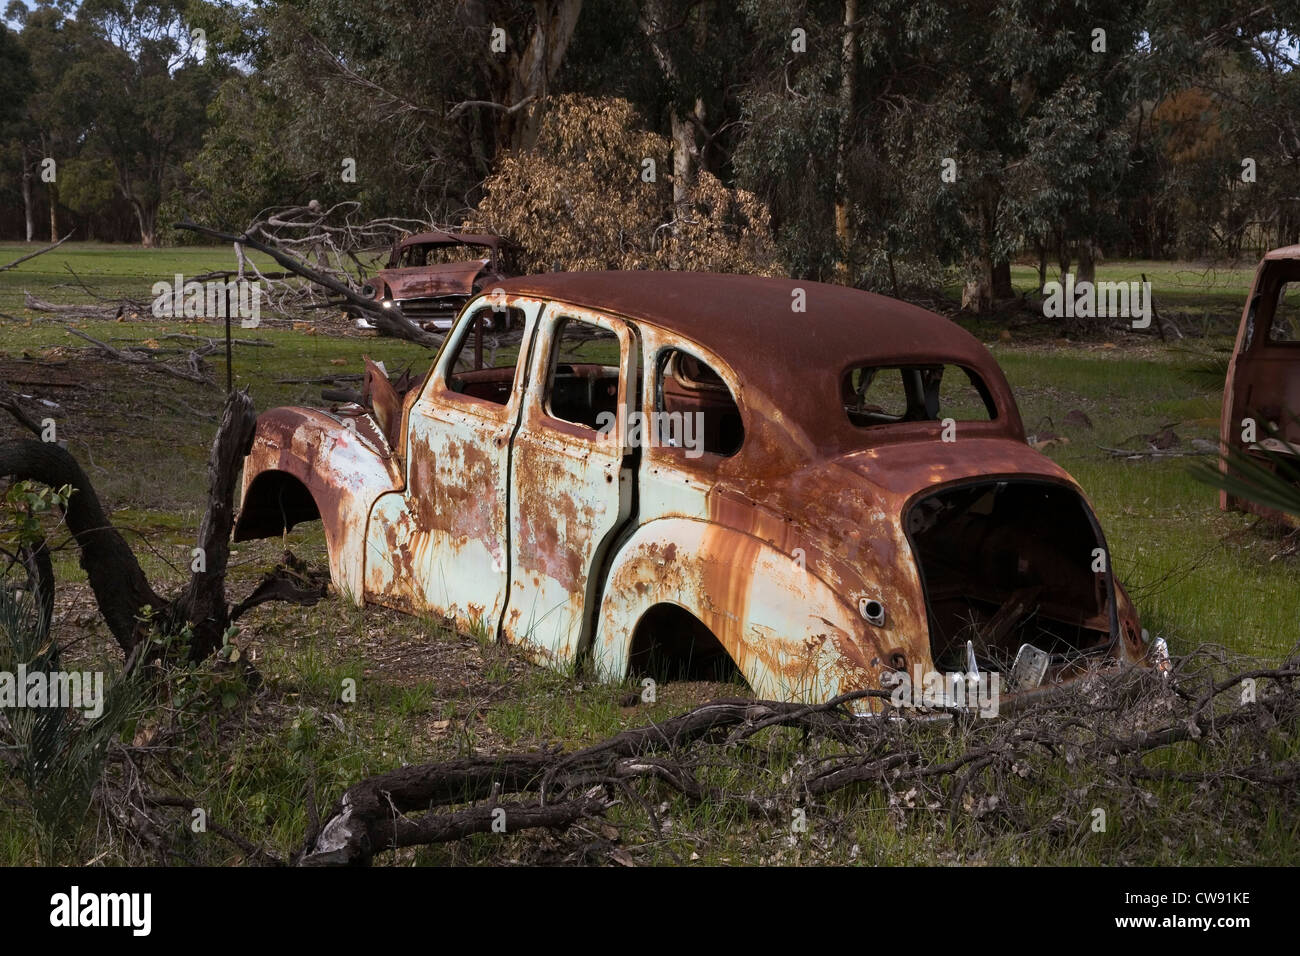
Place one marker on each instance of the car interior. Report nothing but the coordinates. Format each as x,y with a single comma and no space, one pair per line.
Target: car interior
889,394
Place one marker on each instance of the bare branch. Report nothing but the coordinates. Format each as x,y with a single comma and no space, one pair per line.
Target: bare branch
33,255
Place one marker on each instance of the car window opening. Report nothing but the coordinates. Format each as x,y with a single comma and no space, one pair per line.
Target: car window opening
585,373
890,394
487,354
696,403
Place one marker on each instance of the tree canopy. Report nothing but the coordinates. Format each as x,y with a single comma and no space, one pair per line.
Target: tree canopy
876,144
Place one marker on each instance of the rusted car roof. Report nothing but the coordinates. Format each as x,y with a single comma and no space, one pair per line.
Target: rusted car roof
748,321
1286,252
448,238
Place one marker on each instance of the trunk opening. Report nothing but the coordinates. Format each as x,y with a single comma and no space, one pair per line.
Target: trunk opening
1008,563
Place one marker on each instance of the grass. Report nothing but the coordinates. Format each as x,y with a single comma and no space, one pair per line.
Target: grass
1198,574
112,271
425,693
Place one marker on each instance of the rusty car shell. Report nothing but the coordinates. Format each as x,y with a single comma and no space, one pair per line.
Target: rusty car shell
433,294
1261,395
796,555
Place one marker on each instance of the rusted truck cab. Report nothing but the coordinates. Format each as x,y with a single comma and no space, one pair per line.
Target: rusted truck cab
682,473
1261,397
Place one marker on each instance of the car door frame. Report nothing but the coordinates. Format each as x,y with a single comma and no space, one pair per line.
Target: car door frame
549,629
419,542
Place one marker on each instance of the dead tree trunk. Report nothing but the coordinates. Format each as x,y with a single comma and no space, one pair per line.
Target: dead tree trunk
129,604
29,208
203,604
120,587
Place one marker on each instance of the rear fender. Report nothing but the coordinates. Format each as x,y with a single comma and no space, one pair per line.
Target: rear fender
790,634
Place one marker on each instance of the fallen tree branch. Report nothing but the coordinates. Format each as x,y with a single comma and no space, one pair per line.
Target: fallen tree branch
78,311
291,580
13,406
1105,720
33,255
191,374
391,321
213,344
1135,454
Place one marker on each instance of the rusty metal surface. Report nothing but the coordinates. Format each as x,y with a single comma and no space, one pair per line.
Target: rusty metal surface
569,492
344,469
448,278
1263,380
440,542
450,239
561,540
790,362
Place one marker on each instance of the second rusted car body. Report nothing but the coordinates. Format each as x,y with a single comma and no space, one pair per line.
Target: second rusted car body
817,540
431,275
1261,397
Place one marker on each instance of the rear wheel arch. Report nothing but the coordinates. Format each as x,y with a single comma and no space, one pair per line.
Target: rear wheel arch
671,643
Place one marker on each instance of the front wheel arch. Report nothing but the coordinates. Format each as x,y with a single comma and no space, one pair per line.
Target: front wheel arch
273,503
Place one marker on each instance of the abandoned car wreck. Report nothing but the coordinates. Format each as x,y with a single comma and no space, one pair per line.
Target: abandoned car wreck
431,275
1263,381
679,473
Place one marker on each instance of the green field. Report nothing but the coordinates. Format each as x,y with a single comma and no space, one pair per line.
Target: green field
107,270
1197,575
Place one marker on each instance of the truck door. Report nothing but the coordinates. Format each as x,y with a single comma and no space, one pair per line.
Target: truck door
571,483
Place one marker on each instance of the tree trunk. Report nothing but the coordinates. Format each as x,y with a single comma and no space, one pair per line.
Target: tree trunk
1062,256
54,212
533,70
654,21
1087,262
203,605
1001,286
148,220
29,209
685,158
984,266
848,63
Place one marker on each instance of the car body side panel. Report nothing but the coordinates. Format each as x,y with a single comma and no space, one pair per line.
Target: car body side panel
790,635
782,603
